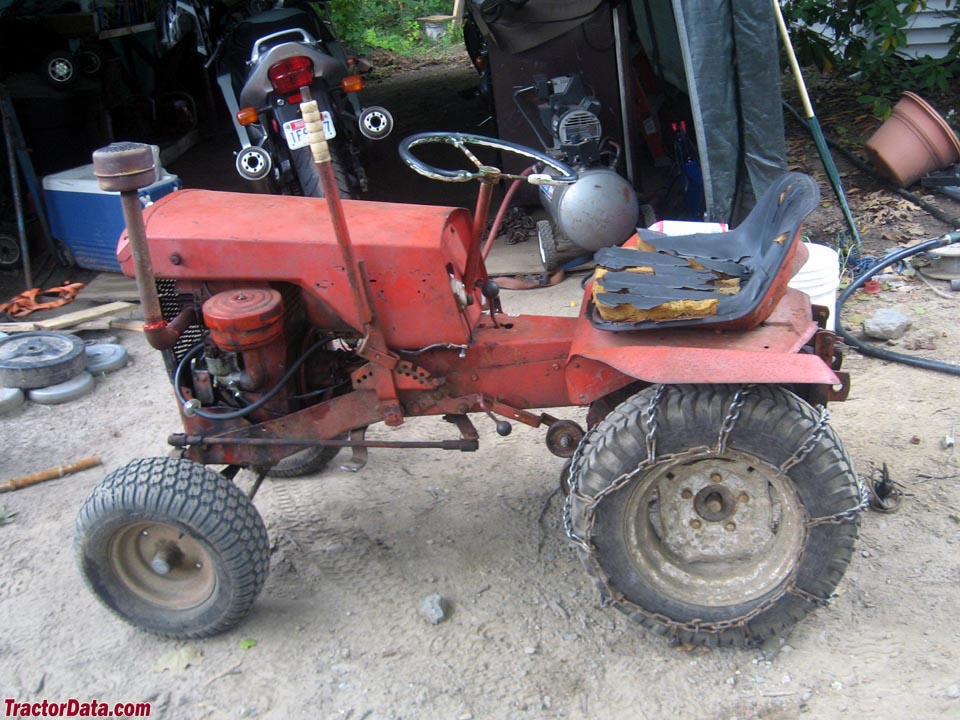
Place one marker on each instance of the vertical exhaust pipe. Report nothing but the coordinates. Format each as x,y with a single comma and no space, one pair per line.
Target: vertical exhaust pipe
126,168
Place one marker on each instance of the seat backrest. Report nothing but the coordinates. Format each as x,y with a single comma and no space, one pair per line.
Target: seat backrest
732,280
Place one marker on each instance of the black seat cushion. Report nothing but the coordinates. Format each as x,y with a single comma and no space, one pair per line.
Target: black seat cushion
659,280
248,31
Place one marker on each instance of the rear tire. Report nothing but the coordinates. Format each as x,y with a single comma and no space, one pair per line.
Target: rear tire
172,547
60,69
714,549
306,462
309,178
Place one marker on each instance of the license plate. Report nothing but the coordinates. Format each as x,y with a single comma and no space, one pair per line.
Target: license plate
296,130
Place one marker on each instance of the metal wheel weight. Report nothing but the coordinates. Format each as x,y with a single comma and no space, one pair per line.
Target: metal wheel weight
105,357
75,387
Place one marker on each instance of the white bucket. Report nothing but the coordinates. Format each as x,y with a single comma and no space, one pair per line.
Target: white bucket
434,27
819,278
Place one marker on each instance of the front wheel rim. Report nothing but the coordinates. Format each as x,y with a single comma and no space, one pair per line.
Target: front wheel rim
162,565
714,531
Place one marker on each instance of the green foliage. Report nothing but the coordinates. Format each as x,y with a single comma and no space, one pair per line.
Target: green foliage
386,24
868,38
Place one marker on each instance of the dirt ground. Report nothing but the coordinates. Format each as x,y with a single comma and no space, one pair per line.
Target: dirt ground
337,632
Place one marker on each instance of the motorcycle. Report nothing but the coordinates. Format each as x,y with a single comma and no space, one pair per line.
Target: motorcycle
270,57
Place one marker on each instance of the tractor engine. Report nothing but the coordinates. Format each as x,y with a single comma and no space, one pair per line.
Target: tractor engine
600,209
254,350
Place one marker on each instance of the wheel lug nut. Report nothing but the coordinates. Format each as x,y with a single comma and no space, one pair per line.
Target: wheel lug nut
716,477
744,498
686,494
731,526
695,524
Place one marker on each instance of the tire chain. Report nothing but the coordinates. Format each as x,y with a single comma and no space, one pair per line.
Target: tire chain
610,596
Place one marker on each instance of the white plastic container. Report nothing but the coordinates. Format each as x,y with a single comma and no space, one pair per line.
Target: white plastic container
687,227
819,278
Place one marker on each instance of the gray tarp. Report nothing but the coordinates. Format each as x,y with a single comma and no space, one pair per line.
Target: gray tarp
723,53
732,61
517,29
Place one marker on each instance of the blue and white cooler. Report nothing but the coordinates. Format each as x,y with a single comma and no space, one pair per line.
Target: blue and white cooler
87,220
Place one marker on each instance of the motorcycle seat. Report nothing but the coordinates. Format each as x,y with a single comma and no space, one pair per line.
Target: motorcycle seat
251,29
729,280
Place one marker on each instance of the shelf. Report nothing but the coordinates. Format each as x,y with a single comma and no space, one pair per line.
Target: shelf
128,30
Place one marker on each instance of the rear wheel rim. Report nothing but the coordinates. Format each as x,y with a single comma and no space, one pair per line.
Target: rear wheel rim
162,565
714,531
60,69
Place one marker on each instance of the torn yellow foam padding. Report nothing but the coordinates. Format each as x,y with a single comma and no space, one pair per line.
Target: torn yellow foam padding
727,285
672,310
636,243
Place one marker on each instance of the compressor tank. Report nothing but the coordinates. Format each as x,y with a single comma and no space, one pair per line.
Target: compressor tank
599,210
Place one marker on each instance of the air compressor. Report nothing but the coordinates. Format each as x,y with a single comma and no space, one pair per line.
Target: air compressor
600,209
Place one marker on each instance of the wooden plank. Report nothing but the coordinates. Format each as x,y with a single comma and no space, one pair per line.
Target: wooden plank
75,318
121,324
19,327
69,319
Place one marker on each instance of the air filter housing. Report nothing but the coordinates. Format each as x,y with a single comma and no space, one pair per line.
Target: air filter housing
245,318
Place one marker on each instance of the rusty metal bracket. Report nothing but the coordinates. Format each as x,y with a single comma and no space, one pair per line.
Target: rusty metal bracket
370,349
825,347
527,418
467,430
358,459
820,315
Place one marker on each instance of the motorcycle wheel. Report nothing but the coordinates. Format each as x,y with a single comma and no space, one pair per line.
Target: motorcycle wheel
59,69
309,178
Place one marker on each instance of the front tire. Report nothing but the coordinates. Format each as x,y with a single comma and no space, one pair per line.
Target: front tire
172,547
722,539
549,249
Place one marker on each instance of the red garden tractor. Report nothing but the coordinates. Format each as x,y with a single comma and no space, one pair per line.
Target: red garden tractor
708,496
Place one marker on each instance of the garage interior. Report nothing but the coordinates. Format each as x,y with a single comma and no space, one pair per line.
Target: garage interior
691,129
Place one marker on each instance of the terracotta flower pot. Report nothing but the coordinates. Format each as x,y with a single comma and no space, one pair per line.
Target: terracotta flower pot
913,141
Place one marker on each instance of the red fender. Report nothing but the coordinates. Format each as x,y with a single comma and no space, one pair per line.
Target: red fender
601,362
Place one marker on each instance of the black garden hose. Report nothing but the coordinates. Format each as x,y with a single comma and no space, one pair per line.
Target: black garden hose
877,352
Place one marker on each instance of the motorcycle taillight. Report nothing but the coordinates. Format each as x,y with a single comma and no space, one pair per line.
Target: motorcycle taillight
290,75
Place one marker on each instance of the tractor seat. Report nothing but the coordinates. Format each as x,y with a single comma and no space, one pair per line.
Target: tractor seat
730,280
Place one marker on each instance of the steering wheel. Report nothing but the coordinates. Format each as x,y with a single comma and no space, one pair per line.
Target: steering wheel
461,141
